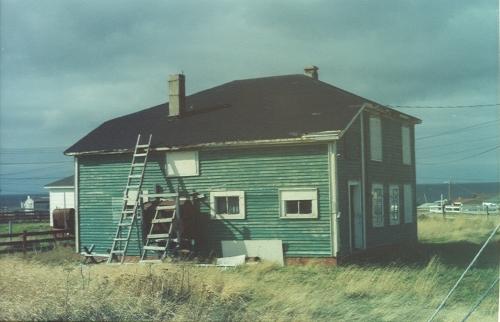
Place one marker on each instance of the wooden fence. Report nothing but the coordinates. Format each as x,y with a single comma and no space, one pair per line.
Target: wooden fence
23,241
24,216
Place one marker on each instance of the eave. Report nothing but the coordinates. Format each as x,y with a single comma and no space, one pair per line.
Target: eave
314,137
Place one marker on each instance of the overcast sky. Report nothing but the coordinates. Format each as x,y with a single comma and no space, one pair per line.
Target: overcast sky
67,66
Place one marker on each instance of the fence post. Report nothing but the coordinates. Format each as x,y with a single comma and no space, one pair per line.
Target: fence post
24,241
10,230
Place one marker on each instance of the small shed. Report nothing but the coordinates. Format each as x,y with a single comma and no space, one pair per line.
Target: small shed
61,195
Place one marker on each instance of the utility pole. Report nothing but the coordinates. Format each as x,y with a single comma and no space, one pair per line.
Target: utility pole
449,190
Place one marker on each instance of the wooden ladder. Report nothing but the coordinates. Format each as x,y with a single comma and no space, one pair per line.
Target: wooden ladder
131,201
164,229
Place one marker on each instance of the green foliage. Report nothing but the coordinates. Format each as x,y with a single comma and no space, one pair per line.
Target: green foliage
405,286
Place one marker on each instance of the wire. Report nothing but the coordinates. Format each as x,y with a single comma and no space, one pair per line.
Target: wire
449,106
457,130
41,162
465,158
31,170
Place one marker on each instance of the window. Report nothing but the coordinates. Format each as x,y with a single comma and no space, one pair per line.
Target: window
375,139
377,205
227,204
182,164
299,203
394,203
406,144
408,203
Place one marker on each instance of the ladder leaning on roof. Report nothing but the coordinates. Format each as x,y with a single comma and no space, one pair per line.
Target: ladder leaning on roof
131,201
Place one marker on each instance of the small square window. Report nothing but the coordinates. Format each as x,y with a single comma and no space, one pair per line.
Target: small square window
227,204
299,203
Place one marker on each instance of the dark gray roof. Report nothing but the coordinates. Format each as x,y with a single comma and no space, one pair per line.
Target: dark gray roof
64,182
278,107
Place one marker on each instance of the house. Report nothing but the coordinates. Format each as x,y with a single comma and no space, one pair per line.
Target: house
35,204
288,158
61,195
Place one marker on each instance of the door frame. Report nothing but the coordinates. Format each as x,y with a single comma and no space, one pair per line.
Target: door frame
352,234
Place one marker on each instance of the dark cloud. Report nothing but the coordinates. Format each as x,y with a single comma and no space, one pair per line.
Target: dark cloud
67,65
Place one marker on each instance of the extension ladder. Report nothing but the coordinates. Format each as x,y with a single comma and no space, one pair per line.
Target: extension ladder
165,229
131,201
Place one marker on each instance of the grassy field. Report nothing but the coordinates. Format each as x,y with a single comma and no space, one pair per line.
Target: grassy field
20,227
404,285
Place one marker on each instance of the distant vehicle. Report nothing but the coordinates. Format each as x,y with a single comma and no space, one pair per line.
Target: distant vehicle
490,206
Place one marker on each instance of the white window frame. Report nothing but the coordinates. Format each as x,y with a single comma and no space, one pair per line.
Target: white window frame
376,221
239,194
393,220
376,145
405,145
409,206
291,194
176,173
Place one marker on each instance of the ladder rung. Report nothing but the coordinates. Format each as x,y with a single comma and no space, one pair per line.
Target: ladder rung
161,220
152,261
161,248
120,239
132,187
141,146
155,236
138,164
130,211
118,251
140,154
132,176
125,224
166,207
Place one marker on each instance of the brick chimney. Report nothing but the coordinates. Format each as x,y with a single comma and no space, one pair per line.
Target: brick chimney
311,71
176,95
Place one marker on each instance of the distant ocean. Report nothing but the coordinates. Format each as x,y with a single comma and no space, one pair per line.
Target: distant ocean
13,202
432,192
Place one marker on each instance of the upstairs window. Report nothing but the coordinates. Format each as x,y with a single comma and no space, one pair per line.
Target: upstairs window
227,204
377,205
375,139
394,203
299,203
182,164
406,144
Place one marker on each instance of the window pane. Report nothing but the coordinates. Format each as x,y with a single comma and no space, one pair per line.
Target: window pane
292,207
233,205
378,206
220,205
406,144
394,199
305,206
375,139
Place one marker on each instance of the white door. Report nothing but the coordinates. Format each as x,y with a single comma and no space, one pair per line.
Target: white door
356,215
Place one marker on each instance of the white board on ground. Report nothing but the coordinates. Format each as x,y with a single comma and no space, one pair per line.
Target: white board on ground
269,250
231,261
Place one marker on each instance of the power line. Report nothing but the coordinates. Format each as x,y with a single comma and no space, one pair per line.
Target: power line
31,170
449,106
41,162
465,158
487,123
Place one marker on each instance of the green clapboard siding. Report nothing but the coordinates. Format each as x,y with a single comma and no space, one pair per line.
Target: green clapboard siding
258,172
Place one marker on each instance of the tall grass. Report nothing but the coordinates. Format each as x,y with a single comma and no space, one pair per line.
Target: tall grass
34,289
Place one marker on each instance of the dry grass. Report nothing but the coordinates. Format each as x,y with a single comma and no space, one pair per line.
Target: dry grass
60,289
